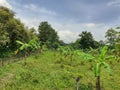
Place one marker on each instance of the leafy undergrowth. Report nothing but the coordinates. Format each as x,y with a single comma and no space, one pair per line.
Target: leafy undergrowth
47,71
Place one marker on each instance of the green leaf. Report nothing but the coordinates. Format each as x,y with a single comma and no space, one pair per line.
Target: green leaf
107,67
97,69
24,46
85,56
103,52
19,42
111,57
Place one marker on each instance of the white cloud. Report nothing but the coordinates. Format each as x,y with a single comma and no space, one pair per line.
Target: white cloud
5,4
90,25
31,23
36,8
65,33
114,3
68,36
69,32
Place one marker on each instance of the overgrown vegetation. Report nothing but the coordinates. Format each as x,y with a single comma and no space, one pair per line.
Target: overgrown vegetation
45,73
46,63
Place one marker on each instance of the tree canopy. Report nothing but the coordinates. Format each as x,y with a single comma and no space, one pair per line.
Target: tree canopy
11,29
86,40
48,35
113,37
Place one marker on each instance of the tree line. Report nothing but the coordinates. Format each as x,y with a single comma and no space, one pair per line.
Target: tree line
12,29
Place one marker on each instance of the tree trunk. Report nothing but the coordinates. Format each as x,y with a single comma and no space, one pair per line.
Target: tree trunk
2,62
77,82
98,83
77,86
25,58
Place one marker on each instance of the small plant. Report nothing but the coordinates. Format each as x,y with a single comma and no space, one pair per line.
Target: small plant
34,45
101,63
67,52
24,47
63,53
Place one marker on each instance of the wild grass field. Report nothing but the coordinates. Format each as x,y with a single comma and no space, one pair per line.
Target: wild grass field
43,57
48,71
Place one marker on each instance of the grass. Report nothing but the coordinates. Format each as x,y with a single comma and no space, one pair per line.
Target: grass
47,71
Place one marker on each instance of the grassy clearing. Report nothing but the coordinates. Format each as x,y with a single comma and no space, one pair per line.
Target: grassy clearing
47,71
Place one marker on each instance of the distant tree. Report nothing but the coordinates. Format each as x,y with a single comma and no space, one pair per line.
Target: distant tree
32,30
118,35
32,33
76,44
111,36
101,43
47,35
86,40
62,43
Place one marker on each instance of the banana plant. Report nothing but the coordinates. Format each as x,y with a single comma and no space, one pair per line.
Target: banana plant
99,64
24,47
34,45
65,52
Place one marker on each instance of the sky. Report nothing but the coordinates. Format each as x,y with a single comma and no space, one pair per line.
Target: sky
68,17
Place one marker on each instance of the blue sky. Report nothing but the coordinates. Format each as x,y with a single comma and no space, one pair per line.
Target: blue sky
69,17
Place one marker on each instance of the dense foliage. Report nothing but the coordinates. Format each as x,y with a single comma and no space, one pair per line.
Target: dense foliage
47,35
50,63
87,41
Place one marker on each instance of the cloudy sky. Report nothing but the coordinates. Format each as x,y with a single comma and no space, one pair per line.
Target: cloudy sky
69,17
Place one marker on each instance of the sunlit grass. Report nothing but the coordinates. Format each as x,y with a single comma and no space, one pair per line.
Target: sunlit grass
47,72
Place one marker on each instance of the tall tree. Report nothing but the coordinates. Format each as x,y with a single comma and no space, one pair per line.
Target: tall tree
87,40
4,39
111,36
118,35
11,28
5,14
48,35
